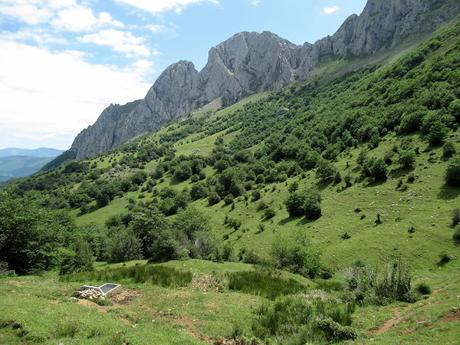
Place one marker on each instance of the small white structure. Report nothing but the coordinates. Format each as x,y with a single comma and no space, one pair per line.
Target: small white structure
90,292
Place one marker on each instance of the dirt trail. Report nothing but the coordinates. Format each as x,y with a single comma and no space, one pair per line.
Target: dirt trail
387,325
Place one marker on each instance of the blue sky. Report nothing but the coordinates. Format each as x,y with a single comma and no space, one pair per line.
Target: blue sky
63,61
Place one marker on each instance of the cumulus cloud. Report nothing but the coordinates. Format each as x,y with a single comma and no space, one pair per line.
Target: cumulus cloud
64,14
158,6
51,96
330,10
81,18
119,41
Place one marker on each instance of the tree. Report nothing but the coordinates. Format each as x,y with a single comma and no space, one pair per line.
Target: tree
295,256
183,171
448,150
378,169
198,191
325,171
191,221
213,199
295,204
437,134
406,159
312,204
31,235
452,176
78,259
124,246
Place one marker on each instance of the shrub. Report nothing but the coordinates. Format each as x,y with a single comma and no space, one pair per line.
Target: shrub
269,213
263,282
296,257
452,176
198,191
437,134
456,235
378,170
256,195
423,289
312,204
228,199
406,159
304,319
213,199
76,260
325,171
295,204
124,246
455,217
448,150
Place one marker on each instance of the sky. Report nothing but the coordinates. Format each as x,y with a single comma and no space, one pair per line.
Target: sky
63,61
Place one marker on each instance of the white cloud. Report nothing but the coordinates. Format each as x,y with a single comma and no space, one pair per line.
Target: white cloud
48,97
255,3
330,10
30,12
63,14
81,18
157,28
158,6
34,34
119,41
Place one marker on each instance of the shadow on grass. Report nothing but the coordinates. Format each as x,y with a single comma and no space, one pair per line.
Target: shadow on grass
375,183
448,193
401,172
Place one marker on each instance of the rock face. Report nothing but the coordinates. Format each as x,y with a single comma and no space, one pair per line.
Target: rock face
252,62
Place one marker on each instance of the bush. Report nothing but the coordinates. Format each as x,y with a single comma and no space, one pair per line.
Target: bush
76,260
213,199
455,217
437,133
228,199
456,235
295,204
124,246
312,204
406,159
263,282
304,319
296,257
269,213
325,171
448,150
424,289
198,191
452,176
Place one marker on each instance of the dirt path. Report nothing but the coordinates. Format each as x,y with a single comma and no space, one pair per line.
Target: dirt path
389,324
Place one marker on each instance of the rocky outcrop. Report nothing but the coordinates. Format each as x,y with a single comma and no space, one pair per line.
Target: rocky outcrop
251,62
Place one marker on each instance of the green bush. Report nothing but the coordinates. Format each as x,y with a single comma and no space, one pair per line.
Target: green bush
213,199
312,204
452,176
406,159
304,319
424,289
124,246
269,213
263,283
296,257
456,235
448,150
228,199
77,259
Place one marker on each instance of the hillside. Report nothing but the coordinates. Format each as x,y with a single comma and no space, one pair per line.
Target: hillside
333,203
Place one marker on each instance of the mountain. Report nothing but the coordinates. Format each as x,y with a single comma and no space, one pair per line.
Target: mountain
251,62
40,152
16,162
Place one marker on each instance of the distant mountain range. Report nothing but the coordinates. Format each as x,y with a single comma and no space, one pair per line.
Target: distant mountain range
17,162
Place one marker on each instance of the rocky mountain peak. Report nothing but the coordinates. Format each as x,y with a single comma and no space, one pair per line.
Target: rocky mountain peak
250,62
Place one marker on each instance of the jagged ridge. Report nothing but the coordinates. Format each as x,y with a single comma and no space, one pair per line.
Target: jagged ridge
250,62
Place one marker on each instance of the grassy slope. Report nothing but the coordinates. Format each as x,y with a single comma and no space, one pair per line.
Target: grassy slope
192,316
